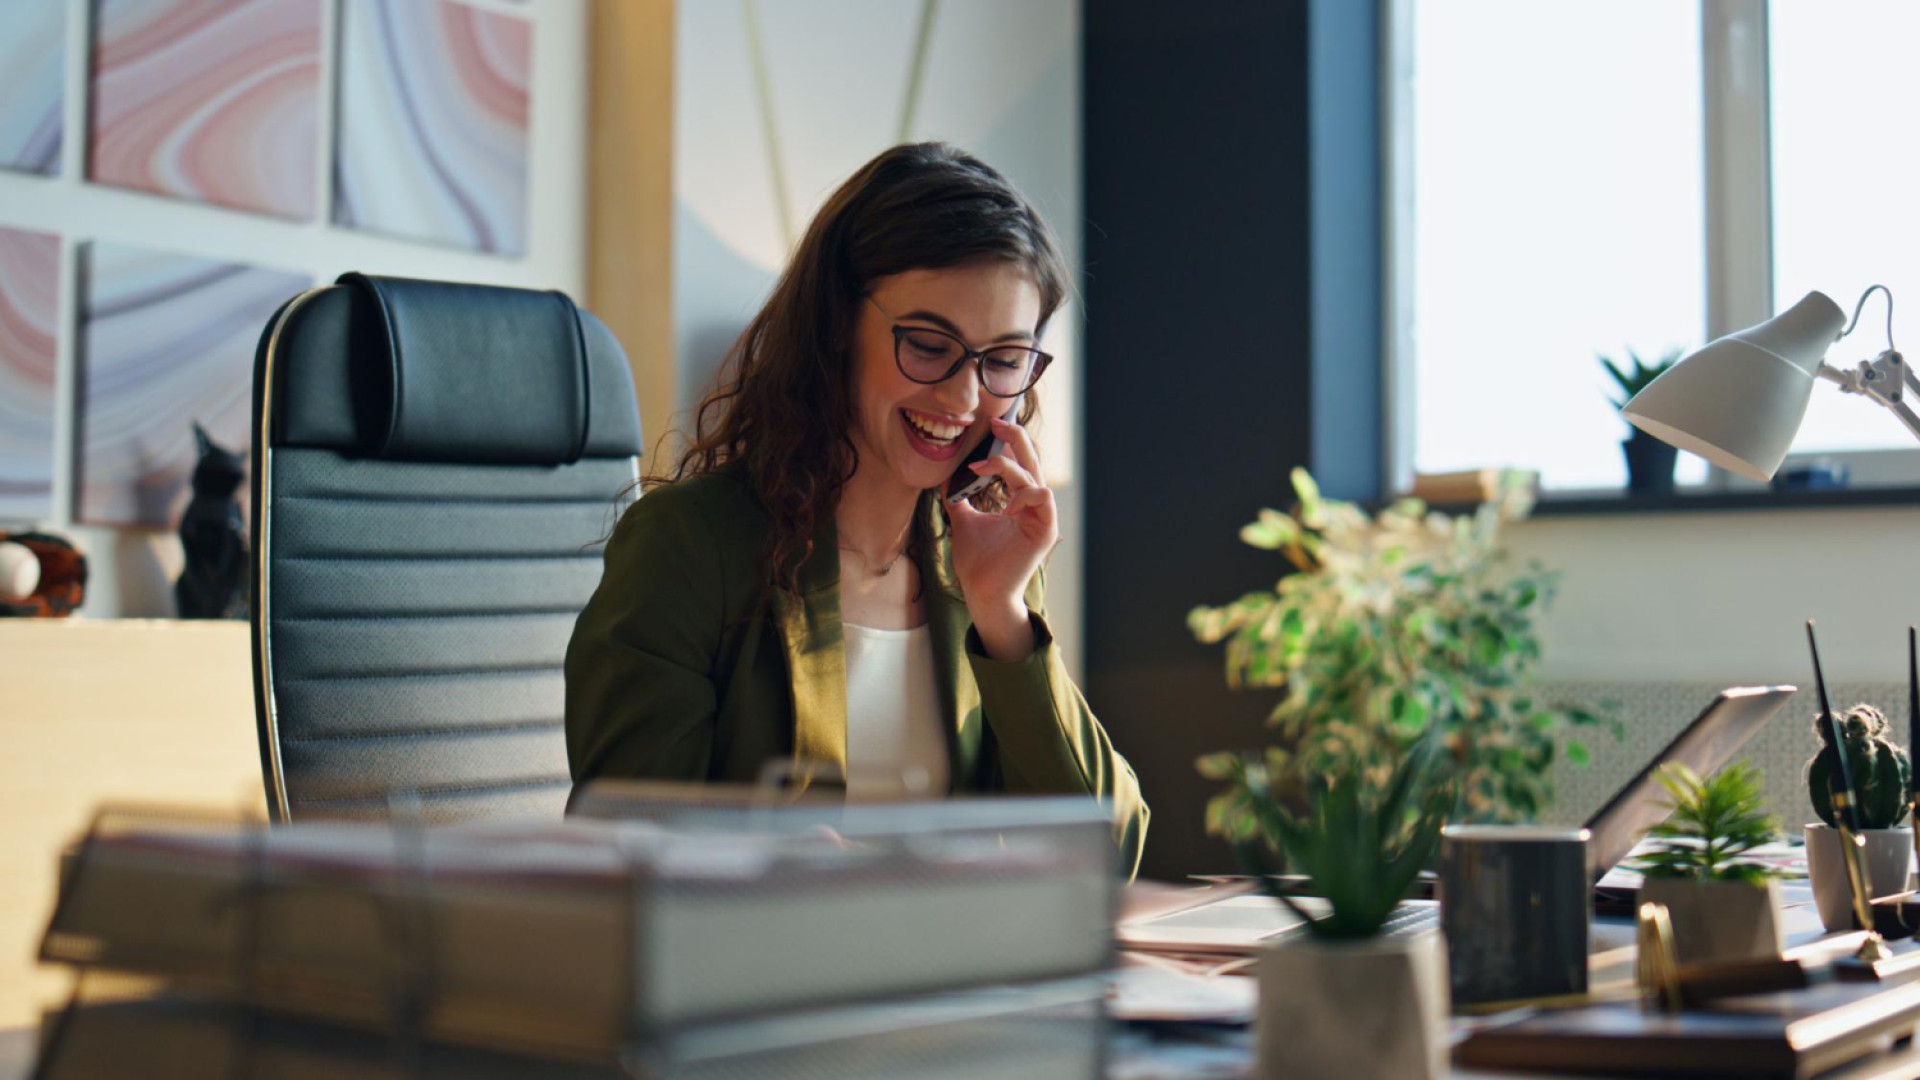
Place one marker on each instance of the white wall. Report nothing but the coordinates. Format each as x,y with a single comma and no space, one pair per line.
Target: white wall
1724,596
132,569
1002,79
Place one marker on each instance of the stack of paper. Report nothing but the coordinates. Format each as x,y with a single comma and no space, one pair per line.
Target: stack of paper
1043,1031
586,942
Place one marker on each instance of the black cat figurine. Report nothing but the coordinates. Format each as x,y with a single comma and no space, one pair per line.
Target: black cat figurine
214,583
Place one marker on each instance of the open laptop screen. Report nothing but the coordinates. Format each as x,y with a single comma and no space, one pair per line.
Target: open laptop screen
1711,741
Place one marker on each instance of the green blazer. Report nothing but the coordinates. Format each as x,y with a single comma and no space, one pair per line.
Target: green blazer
683,667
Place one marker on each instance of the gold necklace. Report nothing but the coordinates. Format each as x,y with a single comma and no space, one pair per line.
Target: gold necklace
868,563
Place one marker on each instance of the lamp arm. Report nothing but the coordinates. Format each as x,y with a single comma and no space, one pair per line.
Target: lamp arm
1907,416
1885,379
1848,381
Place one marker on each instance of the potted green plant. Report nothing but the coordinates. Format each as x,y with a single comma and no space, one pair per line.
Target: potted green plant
1880,771
1379,1003
1649,460
1723,902
1387,629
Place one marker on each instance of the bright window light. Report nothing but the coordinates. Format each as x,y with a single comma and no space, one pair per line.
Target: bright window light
1557,174
1846,214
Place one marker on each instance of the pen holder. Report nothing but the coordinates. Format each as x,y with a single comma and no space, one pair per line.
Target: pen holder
1516,908
1889,860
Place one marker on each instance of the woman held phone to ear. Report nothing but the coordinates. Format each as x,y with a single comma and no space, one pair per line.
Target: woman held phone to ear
798,588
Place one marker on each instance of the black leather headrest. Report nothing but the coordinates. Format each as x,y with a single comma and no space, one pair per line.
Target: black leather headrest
479,374
412,370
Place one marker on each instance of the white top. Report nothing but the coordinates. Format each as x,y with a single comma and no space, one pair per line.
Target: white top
896,742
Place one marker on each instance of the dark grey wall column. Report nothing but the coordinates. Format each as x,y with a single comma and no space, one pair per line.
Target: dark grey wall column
1232,333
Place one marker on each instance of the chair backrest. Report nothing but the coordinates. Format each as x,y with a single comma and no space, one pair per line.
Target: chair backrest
435,469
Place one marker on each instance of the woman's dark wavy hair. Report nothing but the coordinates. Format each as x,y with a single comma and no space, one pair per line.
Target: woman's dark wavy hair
783,405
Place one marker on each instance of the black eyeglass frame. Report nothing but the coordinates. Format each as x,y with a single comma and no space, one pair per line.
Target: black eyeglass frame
1040,359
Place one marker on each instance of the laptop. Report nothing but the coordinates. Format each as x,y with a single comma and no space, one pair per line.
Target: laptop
1238,923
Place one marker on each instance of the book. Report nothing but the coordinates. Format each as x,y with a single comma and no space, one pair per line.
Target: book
568,938
1789,1034
735,808
1048,1030
1471,486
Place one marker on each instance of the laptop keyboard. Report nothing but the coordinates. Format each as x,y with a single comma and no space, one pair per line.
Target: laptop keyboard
1408,920
1411,920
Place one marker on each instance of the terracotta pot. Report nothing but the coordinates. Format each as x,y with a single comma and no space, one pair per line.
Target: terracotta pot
1719,920
1889,862
1340,1011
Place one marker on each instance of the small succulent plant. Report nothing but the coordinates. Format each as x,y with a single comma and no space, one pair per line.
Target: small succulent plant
1643,373
1360,846
1715,825
1879,768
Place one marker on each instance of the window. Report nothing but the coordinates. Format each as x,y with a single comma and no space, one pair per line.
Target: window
1845,156
1586,176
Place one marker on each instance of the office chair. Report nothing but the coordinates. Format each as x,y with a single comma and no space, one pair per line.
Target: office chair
435,469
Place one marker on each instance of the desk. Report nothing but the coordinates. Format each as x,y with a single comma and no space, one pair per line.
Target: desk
1210,1052
1222,1054
1195,1052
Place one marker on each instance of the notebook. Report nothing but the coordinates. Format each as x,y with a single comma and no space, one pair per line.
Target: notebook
1795,1034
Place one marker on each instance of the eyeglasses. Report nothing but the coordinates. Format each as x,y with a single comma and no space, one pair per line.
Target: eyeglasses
928,356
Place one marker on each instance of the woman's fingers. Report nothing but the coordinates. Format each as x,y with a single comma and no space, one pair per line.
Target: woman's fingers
1031,498
1021,443
1008,470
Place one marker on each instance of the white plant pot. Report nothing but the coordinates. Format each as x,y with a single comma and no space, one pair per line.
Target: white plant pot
1889,862
1719,920
1375,1007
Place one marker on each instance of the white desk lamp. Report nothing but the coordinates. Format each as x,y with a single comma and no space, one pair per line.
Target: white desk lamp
1738,401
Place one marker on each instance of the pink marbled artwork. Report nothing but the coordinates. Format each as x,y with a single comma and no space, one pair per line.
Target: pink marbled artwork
29,346
33,75
432,140
213,100
166,340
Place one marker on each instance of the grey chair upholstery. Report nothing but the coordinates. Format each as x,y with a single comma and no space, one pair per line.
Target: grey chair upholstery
435,469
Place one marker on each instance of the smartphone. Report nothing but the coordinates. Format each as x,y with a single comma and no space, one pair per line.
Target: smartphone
964,484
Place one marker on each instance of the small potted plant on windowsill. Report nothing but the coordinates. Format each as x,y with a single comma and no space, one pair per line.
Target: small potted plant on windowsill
1649,461
1723,903
1880,771
1342,999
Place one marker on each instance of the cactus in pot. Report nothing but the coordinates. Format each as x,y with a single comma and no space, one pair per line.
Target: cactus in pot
1880,772
1879,768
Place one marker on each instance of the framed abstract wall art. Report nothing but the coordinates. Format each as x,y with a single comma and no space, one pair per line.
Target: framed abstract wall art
212,100
431,140
33,75
29,351
166,341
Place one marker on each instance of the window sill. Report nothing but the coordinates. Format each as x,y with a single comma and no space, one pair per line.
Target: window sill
1577,503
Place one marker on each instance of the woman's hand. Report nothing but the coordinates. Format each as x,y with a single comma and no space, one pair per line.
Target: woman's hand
996,555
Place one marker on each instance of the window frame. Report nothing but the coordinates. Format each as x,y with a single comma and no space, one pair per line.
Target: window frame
1738,216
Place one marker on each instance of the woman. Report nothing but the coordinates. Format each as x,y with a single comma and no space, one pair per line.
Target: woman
796,590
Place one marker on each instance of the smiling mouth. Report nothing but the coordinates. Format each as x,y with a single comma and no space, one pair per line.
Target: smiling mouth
937,439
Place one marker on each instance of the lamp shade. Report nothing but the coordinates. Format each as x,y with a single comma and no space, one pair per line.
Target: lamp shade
1739,400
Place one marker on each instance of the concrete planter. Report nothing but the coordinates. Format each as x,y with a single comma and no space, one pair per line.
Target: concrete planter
1374,1007
1719,920
1889,862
